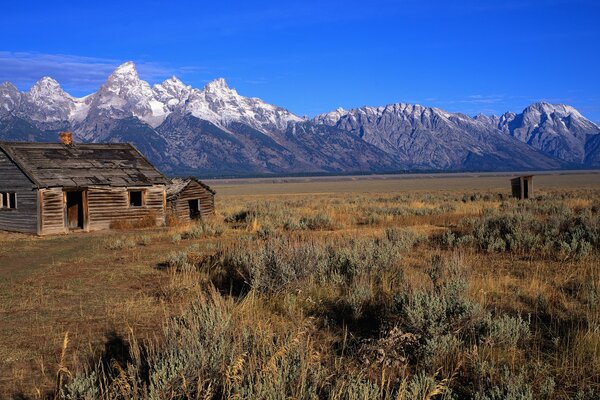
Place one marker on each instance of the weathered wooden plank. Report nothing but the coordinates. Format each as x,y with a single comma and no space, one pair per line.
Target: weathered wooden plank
23,218
83,165
107,206
53,211
179,205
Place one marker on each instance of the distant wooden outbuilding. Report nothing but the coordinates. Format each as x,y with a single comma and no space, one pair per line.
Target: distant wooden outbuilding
522,187
189,199
48,188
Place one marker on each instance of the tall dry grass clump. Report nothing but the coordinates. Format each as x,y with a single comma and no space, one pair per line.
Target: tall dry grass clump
363,296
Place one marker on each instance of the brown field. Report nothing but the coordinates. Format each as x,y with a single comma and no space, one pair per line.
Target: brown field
338,287
399,183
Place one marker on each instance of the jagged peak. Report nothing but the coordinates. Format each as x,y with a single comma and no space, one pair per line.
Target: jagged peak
486,117
46,82
8,85
125,78
46,86
47,79
218,84
173,82
126,68
338,111
125,72
549,108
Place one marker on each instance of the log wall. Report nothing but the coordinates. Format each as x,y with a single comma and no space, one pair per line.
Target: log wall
25,217
109,207
105,208
179,207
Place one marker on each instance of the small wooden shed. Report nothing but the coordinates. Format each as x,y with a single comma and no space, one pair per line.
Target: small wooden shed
522,187
190,199
48,188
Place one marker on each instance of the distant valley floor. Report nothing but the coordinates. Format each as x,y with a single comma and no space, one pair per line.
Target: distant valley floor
402,182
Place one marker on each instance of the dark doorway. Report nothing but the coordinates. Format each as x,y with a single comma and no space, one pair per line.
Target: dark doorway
75,210
194,208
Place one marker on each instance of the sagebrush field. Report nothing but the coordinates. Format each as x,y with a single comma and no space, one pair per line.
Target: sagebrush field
402,292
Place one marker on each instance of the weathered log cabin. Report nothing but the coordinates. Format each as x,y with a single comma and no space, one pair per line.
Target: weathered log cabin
522,187
189,199
49,188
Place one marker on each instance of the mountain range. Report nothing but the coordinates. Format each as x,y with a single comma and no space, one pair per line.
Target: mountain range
214,131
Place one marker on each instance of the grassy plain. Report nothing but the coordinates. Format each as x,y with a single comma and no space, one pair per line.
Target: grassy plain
434,286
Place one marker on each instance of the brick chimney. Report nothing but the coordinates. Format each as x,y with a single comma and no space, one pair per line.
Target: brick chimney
66,138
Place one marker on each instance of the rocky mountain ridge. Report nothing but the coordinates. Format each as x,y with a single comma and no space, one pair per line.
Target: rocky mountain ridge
216,131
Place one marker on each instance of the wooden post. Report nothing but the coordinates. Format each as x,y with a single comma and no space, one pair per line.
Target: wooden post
84,199
40,210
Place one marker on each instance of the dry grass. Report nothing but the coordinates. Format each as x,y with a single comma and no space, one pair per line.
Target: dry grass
107,288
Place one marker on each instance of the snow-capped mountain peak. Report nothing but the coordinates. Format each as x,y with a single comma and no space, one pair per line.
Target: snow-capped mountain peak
124,70
556,129
561,110
46,86
332,117
172,92
218,85
10,97
125,78
222,105
214,126
124,95
47,102
174,84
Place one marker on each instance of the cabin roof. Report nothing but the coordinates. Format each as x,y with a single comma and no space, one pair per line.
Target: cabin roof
82,165
177,185
521,177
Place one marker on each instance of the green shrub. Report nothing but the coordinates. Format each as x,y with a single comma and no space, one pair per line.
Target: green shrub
317,222
438,312
203,229
120,243
510,386
563,235
405,239
209,352
507,331
178,260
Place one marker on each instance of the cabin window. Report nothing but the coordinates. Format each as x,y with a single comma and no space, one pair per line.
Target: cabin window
8,200
136,198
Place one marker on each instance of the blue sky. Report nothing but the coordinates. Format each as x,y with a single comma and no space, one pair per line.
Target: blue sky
314,56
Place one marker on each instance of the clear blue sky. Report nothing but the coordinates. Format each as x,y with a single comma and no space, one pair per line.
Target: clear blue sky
313,56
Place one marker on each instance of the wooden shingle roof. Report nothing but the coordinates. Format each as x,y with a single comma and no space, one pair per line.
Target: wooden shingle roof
83,165
177,185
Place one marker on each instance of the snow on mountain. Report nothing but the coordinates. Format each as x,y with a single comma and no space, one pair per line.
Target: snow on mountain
10,98
492,120
425,137
332,117
125,95
172,93
222,105
555,129
47,102
215,128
